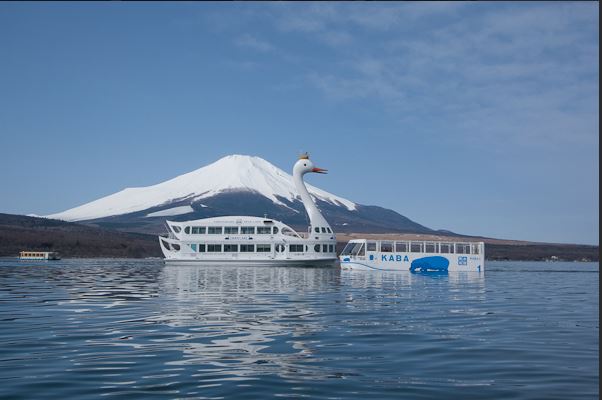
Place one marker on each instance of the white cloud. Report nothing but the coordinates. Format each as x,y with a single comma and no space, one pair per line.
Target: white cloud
251,42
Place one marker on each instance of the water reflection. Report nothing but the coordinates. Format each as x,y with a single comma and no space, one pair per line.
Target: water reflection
88,328
401,279
246,320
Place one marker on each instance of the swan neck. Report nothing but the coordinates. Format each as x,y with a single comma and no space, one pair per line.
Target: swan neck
315,217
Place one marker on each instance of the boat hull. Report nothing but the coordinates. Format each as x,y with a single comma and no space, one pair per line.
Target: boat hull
413,263
330,262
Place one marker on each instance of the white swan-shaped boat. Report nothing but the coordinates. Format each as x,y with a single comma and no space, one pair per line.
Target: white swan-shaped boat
244,240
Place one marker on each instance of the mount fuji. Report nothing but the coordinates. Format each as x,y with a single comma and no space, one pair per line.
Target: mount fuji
233,185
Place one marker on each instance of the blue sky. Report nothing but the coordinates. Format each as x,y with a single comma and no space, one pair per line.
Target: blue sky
481,118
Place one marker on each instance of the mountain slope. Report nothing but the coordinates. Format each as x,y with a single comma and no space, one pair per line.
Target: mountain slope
235,172
233,185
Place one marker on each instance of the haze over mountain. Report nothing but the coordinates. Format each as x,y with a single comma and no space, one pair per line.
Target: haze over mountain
233,185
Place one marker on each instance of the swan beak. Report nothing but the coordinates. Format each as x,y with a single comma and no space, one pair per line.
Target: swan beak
319,170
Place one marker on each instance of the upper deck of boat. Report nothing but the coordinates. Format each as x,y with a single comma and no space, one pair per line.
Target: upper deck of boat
240,225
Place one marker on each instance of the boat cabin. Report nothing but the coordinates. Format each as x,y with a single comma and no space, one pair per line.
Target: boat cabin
39,255
413,255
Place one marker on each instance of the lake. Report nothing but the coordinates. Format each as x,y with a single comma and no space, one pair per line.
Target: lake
87,329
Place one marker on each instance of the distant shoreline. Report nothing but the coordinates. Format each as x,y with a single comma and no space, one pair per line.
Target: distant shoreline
73,240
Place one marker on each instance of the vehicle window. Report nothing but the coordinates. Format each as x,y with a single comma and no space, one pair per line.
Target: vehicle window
416,247
247,248
264,248
386,247
401,247
198,230
214,248
295,248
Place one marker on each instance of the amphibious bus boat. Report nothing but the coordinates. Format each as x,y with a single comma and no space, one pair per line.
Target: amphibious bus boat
413,256
245,240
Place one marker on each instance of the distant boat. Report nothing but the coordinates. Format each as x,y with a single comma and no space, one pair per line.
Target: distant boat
413,256
39,255
247,240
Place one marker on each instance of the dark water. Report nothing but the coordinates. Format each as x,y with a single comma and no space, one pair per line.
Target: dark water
137,329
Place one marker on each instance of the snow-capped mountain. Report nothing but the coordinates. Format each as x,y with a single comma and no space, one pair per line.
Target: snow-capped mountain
233,185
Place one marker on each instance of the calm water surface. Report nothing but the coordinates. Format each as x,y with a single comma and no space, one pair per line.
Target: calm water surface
138,329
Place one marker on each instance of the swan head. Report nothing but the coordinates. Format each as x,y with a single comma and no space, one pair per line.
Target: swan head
304,165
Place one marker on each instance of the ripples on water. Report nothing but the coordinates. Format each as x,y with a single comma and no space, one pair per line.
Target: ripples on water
139,329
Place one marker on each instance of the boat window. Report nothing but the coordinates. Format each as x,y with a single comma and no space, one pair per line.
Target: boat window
401,247
275,230
323,230
328,229
231,230
474,248
295,248
416,247
444,247
429,248
317,248
247,248
175,246
353,249
214,230
214,248
462,248
306,248
331,248
193,247
371,246
176,228
386,247
201,248
187,230
247,230
347,249
279,248
325,248
198,230
264,248
264,230
231,248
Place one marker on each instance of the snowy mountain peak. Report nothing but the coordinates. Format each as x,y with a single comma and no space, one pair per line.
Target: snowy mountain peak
230,173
